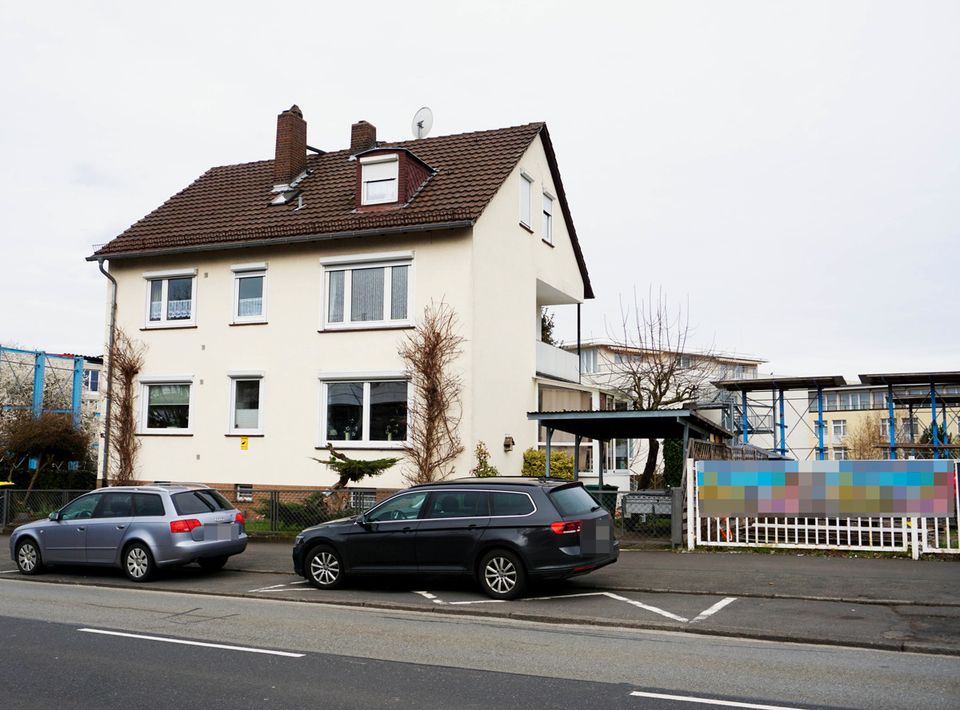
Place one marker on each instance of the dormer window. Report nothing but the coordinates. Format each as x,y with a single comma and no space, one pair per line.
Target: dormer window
380,177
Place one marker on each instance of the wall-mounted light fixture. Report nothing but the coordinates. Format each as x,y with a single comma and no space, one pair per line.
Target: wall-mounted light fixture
508,443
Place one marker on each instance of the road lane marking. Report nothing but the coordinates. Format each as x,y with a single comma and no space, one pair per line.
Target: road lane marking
276,587
245,649
714,609
9,571
710,701
481,601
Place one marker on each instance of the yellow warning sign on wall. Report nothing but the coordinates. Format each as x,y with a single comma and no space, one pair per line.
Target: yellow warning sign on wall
244,443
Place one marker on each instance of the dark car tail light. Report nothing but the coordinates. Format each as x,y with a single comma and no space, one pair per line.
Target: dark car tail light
564,527
239,519
182,526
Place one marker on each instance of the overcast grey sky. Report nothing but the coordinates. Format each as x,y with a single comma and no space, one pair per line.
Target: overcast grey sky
791,168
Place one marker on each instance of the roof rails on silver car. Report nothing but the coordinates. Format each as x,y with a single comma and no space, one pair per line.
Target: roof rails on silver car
179,484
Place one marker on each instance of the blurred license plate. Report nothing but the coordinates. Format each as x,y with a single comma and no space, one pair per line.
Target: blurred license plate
596,536
221,531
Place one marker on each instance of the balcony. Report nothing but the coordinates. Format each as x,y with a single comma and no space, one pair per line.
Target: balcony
556,363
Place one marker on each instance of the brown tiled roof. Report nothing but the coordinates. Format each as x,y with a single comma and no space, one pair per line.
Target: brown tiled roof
229,206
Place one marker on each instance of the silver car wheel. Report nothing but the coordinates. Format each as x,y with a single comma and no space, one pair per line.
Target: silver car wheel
500,575
325,568
137,562
27,557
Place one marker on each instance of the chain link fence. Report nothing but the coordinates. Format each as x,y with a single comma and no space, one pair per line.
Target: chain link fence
647,516
20,506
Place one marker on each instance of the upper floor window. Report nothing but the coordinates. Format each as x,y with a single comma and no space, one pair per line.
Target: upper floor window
367,293
547,218
526,197
379,179
249,293
91,380
171,298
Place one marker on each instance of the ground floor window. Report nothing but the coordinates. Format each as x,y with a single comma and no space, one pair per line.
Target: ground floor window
245,394
166,407
366,412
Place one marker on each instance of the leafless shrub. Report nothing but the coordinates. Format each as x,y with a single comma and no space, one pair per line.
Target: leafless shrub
127,361
429,353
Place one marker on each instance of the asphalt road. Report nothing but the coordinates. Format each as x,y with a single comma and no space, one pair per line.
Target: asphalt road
358,657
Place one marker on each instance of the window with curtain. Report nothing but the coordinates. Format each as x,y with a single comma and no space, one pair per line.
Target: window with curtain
167,406
171,301
249,301
245,408
366,295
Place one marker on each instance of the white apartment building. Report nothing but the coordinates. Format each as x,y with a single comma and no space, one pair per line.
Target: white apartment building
272,298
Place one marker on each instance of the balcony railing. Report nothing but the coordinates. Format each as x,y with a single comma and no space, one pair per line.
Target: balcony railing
554,362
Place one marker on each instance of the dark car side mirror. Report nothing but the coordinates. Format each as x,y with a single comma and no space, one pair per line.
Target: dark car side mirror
362,521
55,516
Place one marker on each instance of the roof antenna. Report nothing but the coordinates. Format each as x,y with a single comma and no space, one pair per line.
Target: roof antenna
422,122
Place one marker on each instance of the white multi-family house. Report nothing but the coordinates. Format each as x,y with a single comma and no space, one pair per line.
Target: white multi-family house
272,298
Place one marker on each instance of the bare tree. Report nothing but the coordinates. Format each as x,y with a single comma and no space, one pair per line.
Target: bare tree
127,361
429,353
864,442
652,367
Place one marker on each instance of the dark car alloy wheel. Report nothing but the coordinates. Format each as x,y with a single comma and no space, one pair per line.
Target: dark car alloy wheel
138,562
324,568
502,575
28,557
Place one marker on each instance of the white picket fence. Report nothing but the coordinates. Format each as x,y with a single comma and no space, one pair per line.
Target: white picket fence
903,534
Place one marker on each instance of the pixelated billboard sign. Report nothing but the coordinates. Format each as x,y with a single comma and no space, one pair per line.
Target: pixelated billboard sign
923,488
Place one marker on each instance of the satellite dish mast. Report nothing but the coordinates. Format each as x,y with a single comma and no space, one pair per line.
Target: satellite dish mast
422,122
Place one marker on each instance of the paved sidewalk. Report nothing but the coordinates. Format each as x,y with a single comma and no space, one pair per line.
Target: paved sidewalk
931,582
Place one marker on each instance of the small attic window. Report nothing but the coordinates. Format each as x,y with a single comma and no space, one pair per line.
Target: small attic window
379,179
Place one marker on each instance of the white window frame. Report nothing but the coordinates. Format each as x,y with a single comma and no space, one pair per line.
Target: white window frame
379,160
245,376
247,271
87,378
834,437
371,261
164,277
526,200
366,378
147,381
243,492
547,227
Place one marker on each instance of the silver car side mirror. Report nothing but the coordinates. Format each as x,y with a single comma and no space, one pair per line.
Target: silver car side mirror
55,516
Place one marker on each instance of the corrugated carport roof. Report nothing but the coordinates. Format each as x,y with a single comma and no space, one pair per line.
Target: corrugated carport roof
767,384
631,424
912,378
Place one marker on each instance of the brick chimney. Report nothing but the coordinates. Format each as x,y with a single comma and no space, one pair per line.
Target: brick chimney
363,135
291,158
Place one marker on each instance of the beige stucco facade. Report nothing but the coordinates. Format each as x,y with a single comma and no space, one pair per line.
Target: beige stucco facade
494,275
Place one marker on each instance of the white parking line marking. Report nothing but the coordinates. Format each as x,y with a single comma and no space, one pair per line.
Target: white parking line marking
431,597
610,595
655,610
710,701
245,649
714,609
277,587
9,571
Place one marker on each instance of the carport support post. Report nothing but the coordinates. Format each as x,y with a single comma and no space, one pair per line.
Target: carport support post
576,457
686,441
546,465
933,421
891,423
783,428
77,390
39,361
820,452
743,417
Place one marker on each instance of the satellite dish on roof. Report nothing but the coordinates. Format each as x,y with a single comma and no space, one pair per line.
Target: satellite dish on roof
422,122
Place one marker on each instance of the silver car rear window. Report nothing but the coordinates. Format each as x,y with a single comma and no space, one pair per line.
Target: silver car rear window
202,501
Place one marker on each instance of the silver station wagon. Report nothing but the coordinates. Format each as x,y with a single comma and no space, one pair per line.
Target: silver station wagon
136,528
